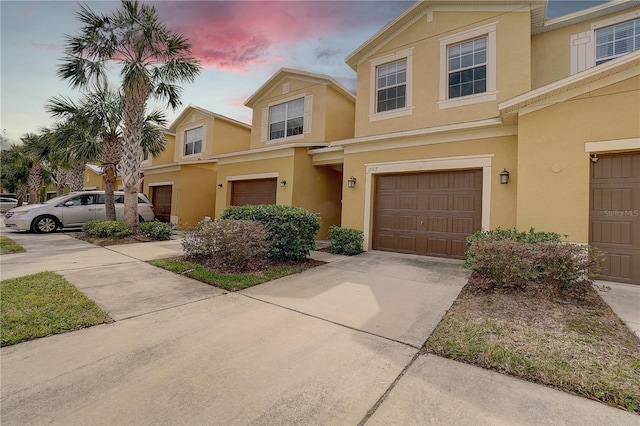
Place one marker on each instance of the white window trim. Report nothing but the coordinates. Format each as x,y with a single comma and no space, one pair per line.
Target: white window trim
394,113
183,140
583,45
306,119
427,165
489,31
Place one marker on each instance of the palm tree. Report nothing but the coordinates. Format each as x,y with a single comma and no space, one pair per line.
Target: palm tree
14,170
92,131
152,60
38,150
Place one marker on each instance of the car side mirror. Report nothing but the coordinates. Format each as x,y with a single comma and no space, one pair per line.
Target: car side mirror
68,203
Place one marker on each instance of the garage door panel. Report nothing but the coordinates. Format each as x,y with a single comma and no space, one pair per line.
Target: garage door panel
386,221
615,215
253,192
440,213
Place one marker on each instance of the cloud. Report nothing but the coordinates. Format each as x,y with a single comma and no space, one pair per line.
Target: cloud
45,46
238,35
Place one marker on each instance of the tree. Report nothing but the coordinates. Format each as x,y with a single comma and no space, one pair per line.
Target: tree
92,131
38,150
152,60
14,170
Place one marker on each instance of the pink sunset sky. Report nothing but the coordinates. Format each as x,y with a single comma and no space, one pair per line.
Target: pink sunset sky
241,44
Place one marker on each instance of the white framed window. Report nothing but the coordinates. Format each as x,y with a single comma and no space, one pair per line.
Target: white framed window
286,119
468,67
391,86
391,92
617,40
467,62
193,141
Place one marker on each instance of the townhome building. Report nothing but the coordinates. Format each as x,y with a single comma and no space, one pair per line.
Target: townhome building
468,115
483,114
181,182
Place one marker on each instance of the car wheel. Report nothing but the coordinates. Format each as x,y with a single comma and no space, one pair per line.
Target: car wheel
44,224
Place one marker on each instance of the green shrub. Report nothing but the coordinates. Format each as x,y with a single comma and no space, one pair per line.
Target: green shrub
292,230
512,263
157,230
107,228
231,245
346,240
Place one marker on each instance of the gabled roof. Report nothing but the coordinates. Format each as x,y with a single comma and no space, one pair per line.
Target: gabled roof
539,23
625,66
284,73
421,8
207,113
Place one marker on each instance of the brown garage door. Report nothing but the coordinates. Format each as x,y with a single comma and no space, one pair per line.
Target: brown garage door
427,213
615,215
161,199
259,191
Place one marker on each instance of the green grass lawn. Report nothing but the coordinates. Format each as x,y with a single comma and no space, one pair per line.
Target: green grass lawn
231,282
575,344
7,245
43,304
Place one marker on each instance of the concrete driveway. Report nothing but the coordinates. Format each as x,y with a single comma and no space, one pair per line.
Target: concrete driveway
335,345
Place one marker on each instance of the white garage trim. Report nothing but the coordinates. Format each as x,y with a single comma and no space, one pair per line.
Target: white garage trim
253,177
427,165
613,145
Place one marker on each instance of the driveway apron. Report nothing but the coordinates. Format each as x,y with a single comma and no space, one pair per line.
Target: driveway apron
399,297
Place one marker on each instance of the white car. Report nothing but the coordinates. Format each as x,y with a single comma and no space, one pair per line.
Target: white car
71,211
7,203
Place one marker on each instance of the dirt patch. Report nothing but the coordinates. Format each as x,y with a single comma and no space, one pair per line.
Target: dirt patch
110,241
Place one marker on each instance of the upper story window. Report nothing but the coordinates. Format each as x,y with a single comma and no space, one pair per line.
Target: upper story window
617,40
468,67
392,86
467,64
286,119
193,141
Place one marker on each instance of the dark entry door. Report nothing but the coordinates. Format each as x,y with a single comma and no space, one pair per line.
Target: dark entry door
162,202
615,215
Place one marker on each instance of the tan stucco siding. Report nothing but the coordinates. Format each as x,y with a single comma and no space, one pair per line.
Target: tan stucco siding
165,156
551,51
280,168
193,120
498,152
340,116
229,137
287,90
158,178
196,195
92,180
553,173
512,71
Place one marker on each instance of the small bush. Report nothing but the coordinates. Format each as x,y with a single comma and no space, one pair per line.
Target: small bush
107,228
512,264
292,230
231,245
346,241
157,230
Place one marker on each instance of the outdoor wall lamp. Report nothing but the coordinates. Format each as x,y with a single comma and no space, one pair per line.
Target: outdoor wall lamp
351,182
219,186
504,177
283,183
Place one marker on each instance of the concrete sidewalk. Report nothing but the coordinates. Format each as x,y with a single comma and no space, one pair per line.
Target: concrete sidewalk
333,345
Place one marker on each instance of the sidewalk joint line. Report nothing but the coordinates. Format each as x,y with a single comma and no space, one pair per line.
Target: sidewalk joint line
329,321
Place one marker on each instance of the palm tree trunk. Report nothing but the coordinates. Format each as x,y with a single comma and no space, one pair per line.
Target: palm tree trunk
75,178
34,181
22,191
61,181
135,99
109,171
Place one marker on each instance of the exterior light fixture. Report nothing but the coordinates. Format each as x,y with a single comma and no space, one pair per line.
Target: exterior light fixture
351,182
594,158
504,177
219,186
283,183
